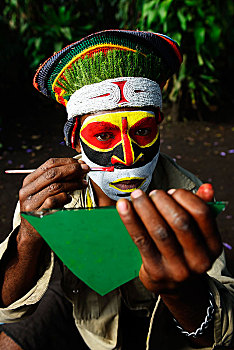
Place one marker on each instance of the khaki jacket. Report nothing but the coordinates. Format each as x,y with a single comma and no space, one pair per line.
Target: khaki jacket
97,317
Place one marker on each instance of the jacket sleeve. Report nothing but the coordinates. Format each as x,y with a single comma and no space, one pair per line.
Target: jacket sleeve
26,304
222,286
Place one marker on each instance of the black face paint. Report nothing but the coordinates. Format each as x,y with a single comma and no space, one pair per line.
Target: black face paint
127,140
104,158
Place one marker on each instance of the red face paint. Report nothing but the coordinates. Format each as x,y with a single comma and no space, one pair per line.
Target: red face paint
94,134
99,168
120,135
127,146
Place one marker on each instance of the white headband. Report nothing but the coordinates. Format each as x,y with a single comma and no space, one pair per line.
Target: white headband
113,93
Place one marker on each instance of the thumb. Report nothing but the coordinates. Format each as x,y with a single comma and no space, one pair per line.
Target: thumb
206,192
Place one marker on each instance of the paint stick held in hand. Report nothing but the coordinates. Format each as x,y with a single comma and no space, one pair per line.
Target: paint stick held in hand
19,171
28,171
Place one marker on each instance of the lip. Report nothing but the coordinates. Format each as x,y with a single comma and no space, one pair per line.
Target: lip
127,185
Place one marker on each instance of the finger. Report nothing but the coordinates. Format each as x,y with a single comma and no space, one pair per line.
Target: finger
56,202
206,192
34,202
137,231
202,214
188,235
161,234
73,171
49,164
81,161
171,191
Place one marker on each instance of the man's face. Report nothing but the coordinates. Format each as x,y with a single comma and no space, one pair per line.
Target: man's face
125,139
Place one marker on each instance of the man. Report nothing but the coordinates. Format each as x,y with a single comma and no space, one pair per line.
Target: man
110,83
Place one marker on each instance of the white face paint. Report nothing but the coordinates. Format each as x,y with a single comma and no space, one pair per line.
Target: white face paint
122,182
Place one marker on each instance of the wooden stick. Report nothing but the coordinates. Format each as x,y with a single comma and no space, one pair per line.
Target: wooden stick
19,171
28,171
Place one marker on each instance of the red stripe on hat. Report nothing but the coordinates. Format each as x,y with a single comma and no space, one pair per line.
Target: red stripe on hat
121,86
175,48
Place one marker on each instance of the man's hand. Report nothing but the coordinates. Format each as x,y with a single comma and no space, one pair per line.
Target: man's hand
45,188
49,185
176,235
178,240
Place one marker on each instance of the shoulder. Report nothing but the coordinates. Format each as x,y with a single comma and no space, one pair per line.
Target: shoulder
168,174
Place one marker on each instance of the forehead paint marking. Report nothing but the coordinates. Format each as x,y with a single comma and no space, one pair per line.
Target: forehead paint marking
116,117
142,179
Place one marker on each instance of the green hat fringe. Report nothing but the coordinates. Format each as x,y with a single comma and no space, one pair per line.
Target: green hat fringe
115,63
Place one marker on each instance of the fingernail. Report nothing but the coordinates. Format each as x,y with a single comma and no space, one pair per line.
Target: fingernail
84,166
122,206
153,193
136,194
171,191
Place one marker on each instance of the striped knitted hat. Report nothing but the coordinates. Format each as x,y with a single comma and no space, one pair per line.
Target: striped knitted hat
107,70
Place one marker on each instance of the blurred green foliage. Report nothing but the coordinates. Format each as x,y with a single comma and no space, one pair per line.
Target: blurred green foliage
33,30
203,28
47,26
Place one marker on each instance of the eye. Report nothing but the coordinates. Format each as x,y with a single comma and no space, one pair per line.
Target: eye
143,131
104,136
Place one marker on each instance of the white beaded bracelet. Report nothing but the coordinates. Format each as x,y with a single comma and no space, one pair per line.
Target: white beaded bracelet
209,317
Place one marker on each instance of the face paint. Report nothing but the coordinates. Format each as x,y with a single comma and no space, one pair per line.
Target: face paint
128,140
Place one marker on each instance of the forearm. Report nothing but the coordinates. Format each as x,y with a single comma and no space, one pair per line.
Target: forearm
189,307
19,266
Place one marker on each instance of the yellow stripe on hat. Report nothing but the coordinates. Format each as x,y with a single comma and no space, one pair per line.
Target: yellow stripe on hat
85,52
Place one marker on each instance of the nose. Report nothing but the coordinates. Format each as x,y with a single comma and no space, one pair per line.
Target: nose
128,156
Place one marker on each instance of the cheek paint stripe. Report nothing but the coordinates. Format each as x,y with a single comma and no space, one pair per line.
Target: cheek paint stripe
116,160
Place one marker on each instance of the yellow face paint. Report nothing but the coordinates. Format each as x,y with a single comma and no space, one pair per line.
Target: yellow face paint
136,181
127,140
113,123
105,132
